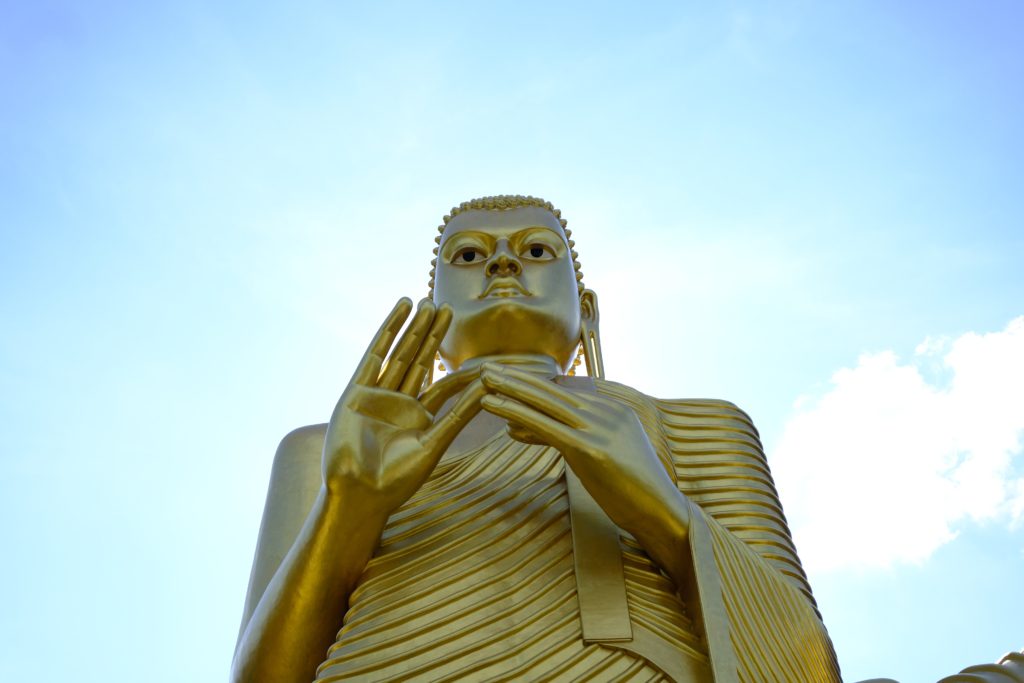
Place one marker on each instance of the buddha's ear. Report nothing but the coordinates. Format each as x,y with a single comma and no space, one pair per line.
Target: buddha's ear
590,334
588,307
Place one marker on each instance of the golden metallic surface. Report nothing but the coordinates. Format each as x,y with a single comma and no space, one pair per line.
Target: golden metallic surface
1009,669
507,522
474,578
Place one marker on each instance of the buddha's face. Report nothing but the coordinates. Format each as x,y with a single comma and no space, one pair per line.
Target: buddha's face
509,278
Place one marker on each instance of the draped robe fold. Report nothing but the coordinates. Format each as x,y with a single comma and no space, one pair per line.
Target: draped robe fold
474,578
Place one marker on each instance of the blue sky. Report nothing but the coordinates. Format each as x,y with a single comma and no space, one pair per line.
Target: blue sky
811,209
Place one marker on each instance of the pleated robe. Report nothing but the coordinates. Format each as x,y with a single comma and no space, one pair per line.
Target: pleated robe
474,577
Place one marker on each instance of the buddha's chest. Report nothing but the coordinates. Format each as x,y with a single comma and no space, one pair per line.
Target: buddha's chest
480,558
482,519
475,574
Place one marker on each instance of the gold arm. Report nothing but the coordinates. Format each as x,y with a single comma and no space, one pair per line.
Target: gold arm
294,484
747,557
1009,669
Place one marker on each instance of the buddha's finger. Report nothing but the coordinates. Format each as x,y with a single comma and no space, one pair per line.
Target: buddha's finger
435,396
523,435
417,372
404,352
541,383
440,435
369,367
553,432
534,393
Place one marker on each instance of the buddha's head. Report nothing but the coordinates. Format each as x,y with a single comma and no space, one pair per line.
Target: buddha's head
507,268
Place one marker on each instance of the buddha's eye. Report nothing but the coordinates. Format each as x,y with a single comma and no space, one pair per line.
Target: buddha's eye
539,252
468,255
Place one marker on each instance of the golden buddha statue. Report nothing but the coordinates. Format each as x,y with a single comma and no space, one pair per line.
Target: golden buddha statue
514,521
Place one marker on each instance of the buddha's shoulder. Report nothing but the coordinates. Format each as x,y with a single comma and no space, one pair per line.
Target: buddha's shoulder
680,410
301,444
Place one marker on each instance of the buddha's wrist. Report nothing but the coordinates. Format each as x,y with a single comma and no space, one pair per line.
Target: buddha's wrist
665,531
353,513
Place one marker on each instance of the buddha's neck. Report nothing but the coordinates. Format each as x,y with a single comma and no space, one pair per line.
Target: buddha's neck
535,363
485,425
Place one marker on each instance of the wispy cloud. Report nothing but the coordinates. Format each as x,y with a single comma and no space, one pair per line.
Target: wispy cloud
886,465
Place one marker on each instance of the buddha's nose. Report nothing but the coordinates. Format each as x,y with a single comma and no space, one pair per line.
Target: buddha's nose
504,261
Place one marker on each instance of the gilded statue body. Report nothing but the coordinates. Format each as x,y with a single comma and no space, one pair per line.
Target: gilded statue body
512,521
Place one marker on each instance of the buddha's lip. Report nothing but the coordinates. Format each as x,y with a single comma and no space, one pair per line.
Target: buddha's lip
505,286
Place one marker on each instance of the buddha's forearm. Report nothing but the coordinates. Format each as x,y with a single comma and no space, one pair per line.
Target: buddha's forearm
303,606
664,533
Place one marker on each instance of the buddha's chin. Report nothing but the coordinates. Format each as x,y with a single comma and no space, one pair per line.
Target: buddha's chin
511,325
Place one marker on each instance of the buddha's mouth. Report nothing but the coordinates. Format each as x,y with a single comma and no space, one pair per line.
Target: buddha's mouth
505,287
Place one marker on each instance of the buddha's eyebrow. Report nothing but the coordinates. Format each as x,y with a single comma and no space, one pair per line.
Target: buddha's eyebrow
464,237
532,232
487,239
537,228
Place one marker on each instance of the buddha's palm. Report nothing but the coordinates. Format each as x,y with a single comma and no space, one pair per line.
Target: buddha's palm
382,443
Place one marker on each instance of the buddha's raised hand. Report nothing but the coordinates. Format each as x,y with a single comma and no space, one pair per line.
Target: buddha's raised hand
604,444
382,443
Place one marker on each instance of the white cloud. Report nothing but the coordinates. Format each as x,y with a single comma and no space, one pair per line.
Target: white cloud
895,457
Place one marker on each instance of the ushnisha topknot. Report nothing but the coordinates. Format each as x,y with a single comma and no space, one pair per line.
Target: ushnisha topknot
505,202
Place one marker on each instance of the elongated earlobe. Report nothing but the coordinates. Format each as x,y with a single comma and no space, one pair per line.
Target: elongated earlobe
590,334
